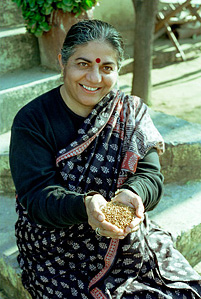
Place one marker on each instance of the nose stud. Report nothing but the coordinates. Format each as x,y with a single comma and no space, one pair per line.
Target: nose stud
98,60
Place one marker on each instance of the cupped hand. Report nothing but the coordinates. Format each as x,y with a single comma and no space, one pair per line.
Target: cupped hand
96,218
131,199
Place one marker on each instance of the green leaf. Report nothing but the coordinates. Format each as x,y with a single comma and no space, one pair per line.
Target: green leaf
78,13
38,17
32,3
18,2
68,2
40,2
59,5
89,3
46,10
38,32
84,6
35,12
76,4
45,27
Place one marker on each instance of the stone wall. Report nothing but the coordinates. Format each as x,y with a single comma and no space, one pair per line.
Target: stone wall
6,18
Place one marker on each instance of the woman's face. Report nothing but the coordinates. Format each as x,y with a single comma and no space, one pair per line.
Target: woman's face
90,73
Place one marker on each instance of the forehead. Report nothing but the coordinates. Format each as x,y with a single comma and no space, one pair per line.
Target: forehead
95,49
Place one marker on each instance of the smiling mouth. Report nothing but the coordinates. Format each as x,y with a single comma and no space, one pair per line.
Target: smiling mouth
90,88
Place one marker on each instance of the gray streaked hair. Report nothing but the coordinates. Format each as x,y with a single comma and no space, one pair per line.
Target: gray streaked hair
92,30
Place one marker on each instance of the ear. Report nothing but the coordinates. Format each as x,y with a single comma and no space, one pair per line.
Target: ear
60,61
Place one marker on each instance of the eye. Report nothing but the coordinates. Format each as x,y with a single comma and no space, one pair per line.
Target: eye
107,68
83,64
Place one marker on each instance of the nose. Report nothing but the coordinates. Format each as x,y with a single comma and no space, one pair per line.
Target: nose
94,75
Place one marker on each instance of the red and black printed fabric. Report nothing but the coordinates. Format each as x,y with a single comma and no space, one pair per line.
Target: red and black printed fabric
74,261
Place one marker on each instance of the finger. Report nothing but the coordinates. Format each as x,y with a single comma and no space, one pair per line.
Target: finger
129,230
96,205
98,214
107,226
112,235
135,229
140,210
135,222
131,199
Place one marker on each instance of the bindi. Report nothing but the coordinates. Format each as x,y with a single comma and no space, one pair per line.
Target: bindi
98,60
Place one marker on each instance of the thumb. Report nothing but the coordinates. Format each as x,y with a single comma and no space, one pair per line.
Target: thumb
140,210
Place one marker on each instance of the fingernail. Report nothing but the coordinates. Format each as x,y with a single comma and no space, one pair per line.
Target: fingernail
100,218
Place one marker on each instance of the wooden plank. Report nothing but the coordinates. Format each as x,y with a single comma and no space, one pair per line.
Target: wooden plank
172,36
160,24
178,21
194,12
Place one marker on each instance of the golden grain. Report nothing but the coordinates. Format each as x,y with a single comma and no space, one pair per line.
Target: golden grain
118,214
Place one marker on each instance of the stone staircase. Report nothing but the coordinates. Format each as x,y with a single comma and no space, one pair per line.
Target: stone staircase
22,79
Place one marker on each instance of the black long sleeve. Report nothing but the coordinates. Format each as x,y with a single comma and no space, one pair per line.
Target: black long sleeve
39,130
147,181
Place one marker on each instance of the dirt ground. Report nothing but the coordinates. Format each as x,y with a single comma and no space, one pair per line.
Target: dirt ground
176,89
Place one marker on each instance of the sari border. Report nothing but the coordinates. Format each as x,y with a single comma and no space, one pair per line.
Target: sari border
78,150
97,294
81,147
109,258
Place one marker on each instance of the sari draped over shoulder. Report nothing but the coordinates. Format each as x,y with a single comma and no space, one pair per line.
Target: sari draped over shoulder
75,262
117,133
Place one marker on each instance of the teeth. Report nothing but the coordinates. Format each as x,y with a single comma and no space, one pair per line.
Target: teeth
89,88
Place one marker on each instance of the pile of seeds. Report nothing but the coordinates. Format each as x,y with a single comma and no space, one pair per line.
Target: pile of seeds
118,214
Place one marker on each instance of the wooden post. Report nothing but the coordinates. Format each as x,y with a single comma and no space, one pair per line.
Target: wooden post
143,45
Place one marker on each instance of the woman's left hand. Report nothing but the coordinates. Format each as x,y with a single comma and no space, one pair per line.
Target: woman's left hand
96,218
131,199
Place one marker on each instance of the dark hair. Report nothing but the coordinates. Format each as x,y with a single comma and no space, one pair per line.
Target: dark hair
91,30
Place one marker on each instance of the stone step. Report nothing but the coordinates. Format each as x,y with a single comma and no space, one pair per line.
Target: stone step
6,182
19,87
181,140
10,277
181,161
197,268
178,212
19,49
164,53
10,14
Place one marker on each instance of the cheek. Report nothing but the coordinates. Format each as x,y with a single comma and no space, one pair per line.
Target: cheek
73,75
111,80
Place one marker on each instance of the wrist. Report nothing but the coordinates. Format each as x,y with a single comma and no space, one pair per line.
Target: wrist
89,194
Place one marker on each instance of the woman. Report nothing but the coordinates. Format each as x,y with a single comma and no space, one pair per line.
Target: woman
73,149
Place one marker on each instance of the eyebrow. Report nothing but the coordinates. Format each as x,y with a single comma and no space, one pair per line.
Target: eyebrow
87,60
82,58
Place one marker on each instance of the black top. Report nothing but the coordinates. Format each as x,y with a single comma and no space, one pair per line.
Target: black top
42,128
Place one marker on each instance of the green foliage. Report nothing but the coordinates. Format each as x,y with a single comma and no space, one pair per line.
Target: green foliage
37,13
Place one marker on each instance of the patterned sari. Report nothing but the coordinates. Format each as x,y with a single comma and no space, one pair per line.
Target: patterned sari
75,262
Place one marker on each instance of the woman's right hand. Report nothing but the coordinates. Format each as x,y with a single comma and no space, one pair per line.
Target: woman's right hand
96,219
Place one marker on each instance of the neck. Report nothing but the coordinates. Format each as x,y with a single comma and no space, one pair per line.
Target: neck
83,111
